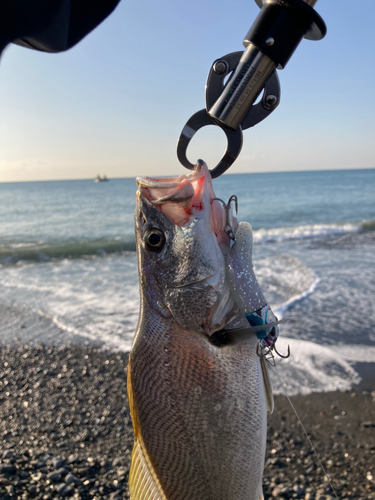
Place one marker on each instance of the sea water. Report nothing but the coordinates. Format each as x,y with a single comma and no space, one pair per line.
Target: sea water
68,270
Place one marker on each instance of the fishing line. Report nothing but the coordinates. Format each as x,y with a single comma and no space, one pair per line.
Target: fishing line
305,432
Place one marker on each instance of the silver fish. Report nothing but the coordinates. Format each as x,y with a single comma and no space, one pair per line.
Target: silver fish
198,404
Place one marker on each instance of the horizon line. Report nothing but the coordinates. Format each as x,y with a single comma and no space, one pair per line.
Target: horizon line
176,175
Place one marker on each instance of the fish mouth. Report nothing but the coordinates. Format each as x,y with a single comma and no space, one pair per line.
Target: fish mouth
180,198
187,197
171,183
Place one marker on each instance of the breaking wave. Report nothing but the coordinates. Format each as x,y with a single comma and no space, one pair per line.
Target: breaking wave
285,280
312,368
41,252
310,231
280,310
14,252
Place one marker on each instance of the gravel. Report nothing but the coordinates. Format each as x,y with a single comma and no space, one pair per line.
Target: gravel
65,432
346,448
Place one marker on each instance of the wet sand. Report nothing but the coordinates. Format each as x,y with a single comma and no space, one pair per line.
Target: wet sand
65,431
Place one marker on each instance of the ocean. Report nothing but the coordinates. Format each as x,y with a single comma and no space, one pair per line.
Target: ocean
68,270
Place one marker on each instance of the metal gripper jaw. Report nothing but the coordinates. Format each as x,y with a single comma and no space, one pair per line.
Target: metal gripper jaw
236,80
215,86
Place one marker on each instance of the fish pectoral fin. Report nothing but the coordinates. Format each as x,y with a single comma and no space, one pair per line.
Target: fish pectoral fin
143,482
261,497
267,385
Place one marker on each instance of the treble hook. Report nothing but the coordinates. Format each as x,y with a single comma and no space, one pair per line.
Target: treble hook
281,356
267,355
228,215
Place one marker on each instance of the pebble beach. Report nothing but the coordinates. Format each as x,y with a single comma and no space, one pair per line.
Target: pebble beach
65,432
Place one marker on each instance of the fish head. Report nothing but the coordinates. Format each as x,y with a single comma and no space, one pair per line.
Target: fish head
183,250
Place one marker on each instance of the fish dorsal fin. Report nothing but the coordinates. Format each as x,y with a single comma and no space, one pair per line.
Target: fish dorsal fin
143,481
267,385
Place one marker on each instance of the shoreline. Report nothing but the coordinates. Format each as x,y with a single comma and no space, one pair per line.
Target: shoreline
65,431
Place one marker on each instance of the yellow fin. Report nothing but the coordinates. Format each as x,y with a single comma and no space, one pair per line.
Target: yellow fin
261,497
143,482
267,385
133,413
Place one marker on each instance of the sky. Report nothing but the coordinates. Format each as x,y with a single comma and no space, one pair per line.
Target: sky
116,103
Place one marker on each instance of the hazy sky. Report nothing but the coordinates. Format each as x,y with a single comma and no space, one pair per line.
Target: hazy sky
116,103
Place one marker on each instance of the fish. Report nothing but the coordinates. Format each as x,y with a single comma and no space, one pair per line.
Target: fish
198,399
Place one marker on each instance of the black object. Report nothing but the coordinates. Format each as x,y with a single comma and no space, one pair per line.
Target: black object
236,80
50,25
285,22
214,89
196,122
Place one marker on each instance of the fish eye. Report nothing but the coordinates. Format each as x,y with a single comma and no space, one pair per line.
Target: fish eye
154,239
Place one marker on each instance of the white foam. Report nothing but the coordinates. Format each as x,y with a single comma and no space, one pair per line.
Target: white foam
302,232
94,299
356,353
280,310
311,368
110,341
284,280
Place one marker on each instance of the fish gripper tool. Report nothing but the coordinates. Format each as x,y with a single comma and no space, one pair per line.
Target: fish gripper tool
236,80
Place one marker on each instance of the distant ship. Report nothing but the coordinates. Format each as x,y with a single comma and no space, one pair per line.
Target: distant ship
101,179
